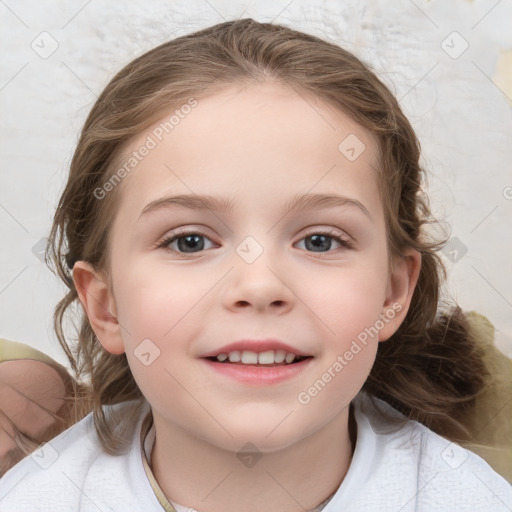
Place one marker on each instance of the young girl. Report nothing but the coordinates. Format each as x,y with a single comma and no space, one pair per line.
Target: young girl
243,225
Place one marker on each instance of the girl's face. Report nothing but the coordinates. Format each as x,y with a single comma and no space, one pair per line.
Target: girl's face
281,237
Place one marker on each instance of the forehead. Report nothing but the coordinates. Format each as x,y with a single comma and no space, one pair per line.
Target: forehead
245,139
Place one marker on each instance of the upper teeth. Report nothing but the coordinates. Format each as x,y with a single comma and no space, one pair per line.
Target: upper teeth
248,357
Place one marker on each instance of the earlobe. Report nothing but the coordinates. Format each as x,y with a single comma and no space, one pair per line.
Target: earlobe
98,302
402,282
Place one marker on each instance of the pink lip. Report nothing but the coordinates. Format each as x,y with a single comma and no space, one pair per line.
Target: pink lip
258,375
255,346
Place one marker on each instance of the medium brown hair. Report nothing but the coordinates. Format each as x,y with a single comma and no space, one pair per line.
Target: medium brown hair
431,369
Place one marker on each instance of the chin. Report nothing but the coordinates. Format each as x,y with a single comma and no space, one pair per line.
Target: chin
271,435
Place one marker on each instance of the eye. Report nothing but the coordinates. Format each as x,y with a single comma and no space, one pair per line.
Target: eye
187,242
322,241
190,242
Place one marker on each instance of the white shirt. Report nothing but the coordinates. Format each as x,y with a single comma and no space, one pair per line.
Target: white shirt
412,469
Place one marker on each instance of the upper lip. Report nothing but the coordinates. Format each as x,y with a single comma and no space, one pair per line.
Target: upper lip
255,346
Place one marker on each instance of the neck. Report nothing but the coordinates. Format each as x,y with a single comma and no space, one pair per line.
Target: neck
195,473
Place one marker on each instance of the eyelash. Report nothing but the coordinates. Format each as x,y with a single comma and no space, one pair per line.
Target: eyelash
344,242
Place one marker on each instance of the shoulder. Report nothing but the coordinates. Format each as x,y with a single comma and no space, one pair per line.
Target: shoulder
457,478
425,468
73,470
54,466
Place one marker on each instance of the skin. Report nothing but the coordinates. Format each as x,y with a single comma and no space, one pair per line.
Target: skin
259,146
27,388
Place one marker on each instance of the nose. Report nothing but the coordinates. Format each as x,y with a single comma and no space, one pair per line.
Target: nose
261,285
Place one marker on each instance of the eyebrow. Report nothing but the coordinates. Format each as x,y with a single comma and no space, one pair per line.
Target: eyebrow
296,204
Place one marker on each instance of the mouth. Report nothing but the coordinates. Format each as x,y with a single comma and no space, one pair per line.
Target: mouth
258,369
268,358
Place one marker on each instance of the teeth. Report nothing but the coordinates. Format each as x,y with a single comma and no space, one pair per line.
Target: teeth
234,356
279,356
266,357
289,358
249,357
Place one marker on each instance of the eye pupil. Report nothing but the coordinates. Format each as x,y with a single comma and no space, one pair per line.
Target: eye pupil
189,242
319,241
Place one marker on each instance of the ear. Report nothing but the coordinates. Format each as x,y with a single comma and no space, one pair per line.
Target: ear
98,302
402,282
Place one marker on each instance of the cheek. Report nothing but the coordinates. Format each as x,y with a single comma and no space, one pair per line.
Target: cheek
161,315
347,301
156,311
158,304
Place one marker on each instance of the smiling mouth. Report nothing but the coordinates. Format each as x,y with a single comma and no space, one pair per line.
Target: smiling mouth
269,358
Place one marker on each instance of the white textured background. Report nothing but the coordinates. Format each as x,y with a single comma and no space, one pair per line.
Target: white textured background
460,105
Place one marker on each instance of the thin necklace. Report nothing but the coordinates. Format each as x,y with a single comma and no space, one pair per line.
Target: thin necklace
318,508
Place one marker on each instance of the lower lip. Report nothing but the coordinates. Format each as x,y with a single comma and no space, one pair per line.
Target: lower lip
259,375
